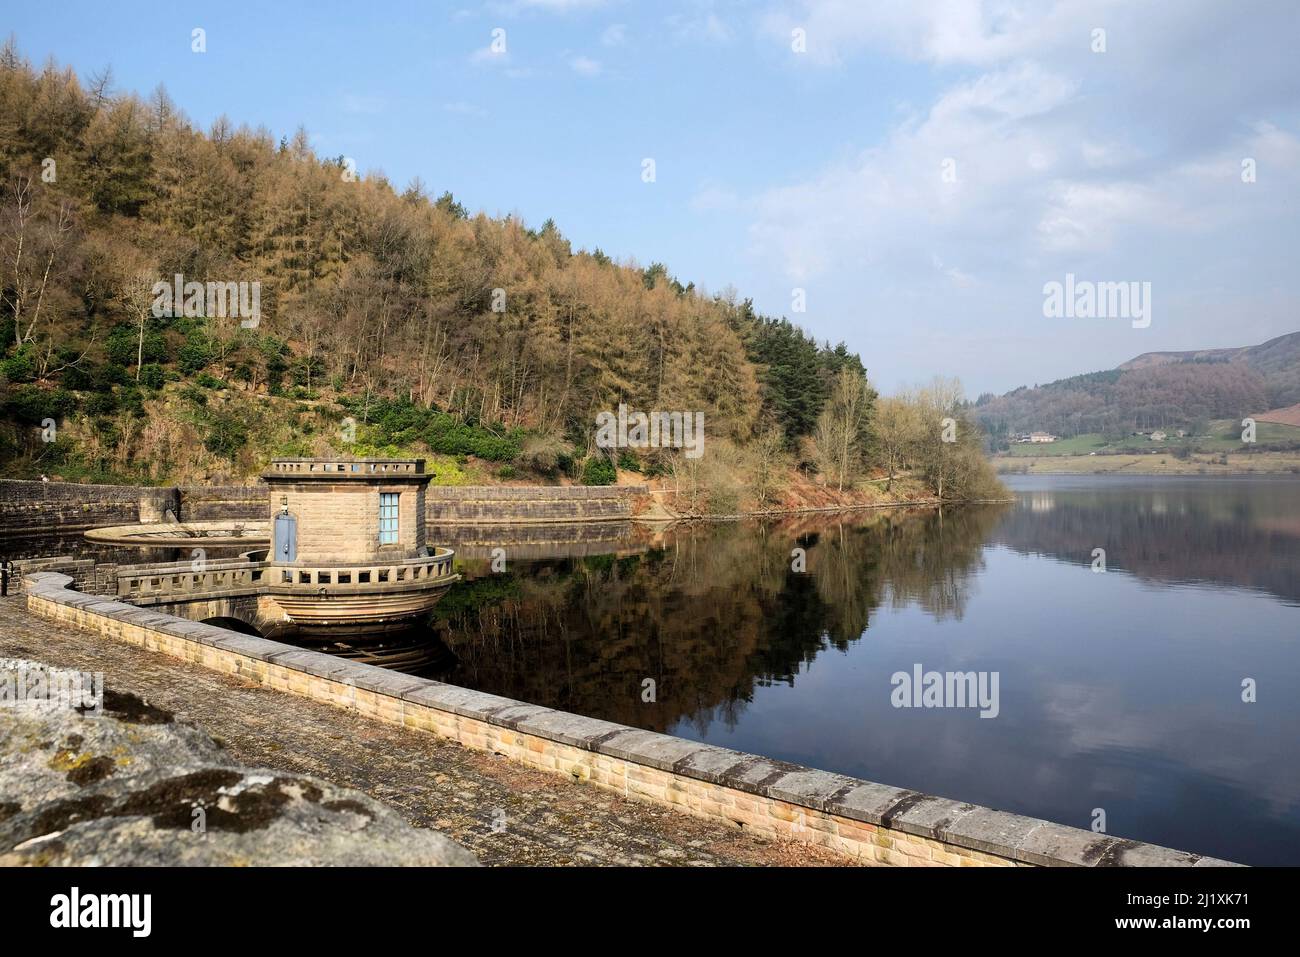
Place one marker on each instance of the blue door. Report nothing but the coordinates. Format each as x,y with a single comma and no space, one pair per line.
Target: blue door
286,539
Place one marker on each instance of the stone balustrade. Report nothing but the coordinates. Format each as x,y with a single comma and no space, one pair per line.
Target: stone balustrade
363,575
342,469
183,581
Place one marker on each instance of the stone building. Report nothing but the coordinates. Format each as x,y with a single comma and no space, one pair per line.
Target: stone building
332,512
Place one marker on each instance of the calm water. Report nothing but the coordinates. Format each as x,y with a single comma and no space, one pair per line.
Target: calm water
1120,691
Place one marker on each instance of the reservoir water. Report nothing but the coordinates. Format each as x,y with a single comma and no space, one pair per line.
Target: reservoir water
1120,691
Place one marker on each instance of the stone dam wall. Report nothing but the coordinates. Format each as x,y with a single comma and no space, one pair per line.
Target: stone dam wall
37,508
873,823
533,504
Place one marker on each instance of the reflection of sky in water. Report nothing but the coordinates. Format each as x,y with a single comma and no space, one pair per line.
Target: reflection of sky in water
1113,695
1116,692
1119,690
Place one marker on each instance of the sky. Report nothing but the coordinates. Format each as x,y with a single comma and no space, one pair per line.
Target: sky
902,177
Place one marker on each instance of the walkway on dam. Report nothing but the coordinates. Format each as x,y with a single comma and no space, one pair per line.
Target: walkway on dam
430,781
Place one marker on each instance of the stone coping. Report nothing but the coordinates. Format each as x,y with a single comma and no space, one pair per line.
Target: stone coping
1012,837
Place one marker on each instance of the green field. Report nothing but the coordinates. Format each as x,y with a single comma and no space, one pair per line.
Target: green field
1078,445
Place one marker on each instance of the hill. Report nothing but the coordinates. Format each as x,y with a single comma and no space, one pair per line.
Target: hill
1156,390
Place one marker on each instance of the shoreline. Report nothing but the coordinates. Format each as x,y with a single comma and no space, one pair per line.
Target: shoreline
1282,464
816,509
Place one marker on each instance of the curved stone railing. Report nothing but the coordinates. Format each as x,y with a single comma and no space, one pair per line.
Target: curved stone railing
183,581
296,577
875,823
187,581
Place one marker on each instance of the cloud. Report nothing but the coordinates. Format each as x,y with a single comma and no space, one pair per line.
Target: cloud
486,56
965,170
584,66
1115,164
614,35
701,25
943,32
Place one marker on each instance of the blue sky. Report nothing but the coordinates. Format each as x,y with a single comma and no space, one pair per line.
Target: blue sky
820,170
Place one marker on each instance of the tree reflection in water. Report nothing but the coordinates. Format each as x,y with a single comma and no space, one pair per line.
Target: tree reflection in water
708,612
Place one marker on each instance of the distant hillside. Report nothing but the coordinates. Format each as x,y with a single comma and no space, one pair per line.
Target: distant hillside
1156,390
1271,356
1288,416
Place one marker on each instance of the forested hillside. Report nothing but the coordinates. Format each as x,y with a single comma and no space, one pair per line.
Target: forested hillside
1158,390
433,330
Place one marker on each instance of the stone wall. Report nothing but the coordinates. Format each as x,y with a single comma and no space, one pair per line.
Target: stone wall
874,823
339,521
511,504
37,508
215,503
87,576
533,541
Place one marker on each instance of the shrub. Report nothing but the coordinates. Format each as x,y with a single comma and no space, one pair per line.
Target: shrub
196,354
109,375
192,393
101,403
543,453
18,367
402,422
32,405
599,471
82,376
124,346
152,376
132,400
226,435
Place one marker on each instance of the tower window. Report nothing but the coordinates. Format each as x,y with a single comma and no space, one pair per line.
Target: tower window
388,518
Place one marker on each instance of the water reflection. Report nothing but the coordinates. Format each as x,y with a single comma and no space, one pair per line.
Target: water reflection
708,612
1119,691
1243,533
